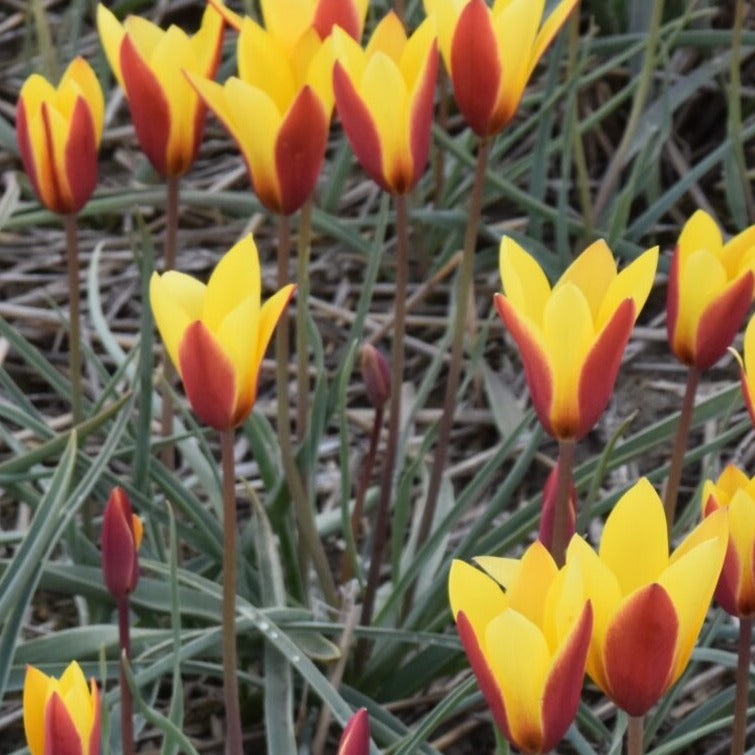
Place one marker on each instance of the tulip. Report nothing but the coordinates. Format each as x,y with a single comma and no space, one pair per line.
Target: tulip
747,368
355,739
59,132
527,653
376,373
121,537
149,64
548,511
384,95
710,288
649,606
572,337
216,335
61,716
490,54
734,493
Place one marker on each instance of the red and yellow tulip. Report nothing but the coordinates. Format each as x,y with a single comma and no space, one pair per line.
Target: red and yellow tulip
61,715
355,739
648,606
710,289
278,112
216,335
58,132
527,653
490,54
121,538
734,492
149,64
384,95
572,336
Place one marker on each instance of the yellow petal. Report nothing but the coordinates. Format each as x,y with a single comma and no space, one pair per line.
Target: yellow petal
527,592
144,34
288,20
524,281
476,594
738,253
502,570
713,526
700,232
749,349
320,74
741,512
74,692
271,312
237,335
349,54
389,38
445,15
36,694
80,72
634,282
111,35
549,29
592,273
414,55
205,41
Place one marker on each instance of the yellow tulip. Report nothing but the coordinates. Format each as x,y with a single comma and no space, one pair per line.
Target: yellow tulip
216,335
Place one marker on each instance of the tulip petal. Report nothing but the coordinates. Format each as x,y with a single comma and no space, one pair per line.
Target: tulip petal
634,282
208,377
592,272
34,702
524,281
355,739
738,254
330,13
95,737
535,576
421,111
742,541
700,232
502,570
639,649
289,20
475,594
81,155
80,72
207,43
389,38
271,312
61,735
111,35
475,66
549,29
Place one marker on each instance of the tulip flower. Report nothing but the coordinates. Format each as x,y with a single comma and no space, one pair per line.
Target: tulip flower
61,715
490,54
734,493
710,288
649,606
572,336
149,64
527,653
121,537
278,112
58,133
355,739
216,335
384,95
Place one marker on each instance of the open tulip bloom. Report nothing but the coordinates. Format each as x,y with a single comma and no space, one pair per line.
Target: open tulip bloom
384,96
58,132
572,337
149,64
61,715
527,653
490,53
216,334
648,606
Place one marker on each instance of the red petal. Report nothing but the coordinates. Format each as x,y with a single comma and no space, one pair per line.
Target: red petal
598,376
728,587
482,671
421,119
300,148
721,320
672,297
150,110
341,13
355,739
639,650
564,686
61,737
536,368
119,559
475,66
81,155
208,377
95,737
359,127
548,510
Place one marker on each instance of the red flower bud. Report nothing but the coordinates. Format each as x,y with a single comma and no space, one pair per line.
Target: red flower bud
376,375
121,537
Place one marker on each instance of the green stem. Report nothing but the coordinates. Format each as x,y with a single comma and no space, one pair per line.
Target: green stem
230,666
744,652
566,453
394,424
127,716
647,72
302,297
635,735
680,446
305,519
464,284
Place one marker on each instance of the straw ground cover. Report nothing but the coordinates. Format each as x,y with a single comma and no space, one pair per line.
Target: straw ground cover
622,135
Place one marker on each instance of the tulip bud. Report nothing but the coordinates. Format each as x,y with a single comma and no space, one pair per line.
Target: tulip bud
376,375
355,739
121,537
548,511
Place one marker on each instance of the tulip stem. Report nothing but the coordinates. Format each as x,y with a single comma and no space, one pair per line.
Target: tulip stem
302,297
566,453
230,666
168,454
305,519
465,282
680,446
127,715
744,652
635,735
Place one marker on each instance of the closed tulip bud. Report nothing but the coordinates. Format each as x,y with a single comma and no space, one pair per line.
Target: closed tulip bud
734,492
527,653
58,133
61,716
121,538
548,510
710,289
649,606
376,375
572,337
384,96
149,64
490,54
355,739
216,335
